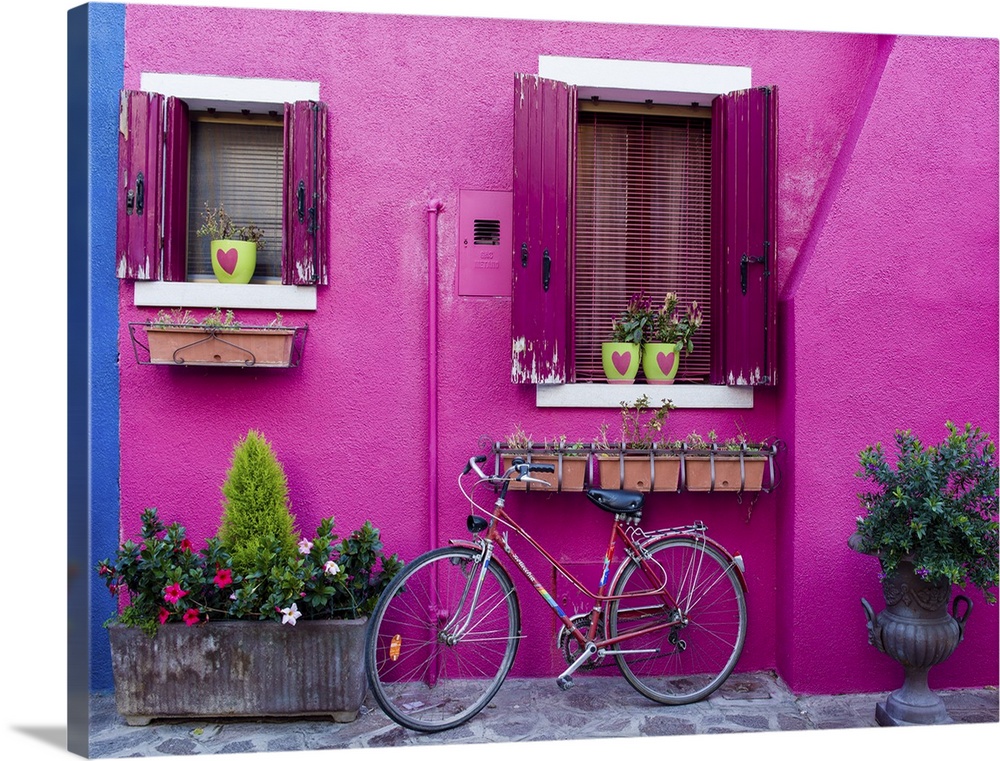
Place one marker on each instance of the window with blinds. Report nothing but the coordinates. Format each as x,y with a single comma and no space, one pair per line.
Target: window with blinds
238,164
643,222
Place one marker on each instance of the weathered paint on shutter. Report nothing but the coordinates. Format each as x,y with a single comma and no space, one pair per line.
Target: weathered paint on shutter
177,149
140,164
305,204
744,214
544,145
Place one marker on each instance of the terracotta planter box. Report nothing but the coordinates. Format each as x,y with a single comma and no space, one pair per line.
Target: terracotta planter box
639,474
240,669
574,470
698,473
200,346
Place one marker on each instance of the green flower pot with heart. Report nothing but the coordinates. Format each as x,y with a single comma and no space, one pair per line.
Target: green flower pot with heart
233,261
620,360
660,361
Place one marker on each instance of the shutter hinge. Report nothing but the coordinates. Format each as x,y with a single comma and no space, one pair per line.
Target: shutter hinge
744,263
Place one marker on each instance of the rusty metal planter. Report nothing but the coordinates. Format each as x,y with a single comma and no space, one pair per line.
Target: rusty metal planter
207,346
240,669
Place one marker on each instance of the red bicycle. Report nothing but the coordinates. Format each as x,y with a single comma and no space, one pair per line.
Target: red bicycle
443,635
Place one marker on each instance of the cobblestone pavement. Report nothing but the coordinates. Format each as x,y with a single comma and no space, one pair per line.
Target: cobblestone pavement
528,710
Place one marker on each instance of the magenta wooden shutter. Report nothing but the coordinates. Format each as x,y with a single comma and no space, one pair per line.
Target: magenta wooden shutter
177,148
744,176
544,148
305,216
140,166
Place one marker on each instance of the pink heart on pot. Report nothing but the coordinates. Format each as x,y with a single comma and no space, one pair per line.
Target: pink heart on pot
227,260
621,360
666,361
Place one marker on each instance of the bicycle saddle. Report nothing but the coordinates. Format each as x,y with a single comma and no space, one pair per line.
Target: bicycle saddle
617,501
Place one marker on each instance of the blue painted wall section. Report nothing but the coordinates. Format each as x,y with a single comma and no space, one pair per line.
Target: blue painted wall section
96,47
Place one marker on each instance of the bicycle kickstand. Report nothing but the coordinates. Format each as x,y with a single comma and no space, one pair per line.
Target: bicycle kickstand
565,679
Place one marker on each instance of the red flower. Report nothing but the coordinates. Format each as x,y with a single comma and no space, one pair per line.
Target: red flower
186,545
173,593
223,578
191,617
164,615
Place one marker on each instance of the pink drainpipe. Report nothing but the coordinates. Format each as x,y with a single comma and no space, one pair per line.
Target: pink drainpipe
433,209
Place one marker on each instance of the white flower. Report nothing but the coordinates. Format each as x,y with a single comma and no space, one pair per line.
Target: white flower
331,568
304,546
290,614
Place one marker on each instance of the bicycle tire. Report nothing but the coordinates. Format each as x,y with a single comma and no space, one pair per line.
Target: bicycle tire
687,662
420,678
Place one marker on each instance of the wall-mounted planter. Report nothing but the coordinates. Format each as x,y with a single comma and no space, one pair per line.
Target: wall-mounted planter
240,669
209,346
725,470
639,470
569,471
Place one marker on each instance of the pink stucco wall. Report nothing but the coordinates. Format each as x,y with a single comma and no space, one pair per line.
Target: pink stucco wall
888,275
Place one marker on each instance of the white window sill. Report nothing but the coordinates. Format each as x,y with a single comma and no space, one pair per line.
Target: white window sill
612,395
225,296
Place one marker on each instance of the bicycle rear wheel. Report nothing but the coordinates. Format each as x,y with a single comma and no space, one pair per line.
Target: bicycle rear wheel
437,650
703,615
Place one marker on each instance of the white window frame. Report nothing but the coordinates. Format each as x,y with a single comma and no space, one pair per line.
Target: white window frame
227,94
636,81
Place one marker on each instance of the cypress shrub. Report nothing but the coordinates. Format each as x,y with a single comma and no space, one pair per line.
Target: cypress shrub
257,523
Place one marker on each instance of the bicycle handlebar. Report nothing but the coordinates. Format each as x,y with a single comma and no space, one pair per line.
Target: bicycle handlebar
519,465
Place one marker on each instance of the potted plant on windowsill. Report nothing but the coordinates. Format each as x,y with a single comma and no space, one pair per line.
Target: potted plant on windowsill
260,622
232,247
622,355
930,518
175,337
668,332
640,461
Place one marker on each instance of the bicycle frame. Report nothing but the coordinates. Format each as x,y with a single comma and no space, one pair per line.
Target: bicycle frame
634,552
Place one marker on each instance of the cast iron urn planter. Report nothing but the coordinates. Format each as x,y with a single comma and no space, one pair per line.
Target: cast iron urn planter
917,630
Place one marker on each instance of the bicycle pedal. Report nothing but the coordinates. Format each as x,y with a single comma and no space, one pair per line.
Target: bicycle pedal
564,682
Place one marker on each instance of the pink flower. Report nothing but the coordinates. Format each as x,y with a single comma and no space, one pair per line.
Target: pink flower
173,593
223,578
304,546
191,616
164,615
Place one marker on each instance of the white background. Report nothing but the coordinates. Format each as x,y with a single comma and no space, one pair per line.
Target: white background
33,539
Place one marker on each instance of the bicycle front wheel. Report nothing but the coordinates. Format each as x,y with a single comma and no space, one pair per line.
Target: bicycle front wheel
688,637
441,639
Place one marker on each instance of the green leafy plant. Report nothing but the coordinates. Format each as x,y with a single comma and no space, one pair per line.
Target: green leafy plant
631,325
162,579
669,325
641,425
257,567
255,507
218,225
935,506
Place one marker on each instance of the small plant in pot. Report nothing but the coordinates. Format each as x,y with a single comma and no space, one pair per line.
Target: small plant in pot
930,518
233,247
640,461
622,355
668,332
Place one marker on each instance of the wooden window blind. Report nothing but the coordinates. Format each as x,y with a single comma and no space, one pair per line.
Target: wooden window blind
643,223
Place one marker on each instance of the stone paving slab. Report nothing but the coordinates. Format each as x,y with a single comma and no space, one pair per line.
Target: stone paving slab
526,710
